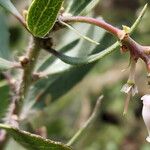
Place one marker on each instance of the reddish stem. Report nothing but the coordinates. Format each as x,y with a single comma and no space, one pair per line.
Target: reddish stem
137,50
98,22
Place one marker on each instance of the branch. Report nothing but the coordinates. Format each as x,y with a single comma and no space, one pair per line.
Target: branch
28,63
87,123
98,22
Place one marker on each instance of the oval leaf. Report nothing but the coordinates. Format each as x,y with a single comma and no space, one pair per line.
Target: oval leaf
32,141
42,16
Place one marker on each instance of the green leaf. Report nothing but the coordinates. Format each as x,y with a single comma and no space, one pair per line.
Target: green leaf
32,141
4,102
5,53
5,65
42,15
63,83
86,60
10,7
4,38
78,6
50,59
90,7
45,68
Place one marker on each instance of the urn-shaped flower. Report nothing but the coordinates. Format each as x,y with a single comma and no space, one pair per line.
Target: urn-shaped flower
146,113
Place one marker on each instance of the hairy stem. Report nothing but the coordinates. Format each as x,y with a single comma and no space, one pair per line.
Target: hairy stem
87,123
21,88
28,63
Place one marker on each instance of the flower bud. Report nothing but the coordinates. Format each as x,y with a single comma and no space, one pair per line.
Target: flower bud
146,113
130,89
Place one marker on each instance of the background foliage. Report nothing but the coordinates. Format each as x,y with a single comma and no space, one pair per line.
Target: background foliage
65,99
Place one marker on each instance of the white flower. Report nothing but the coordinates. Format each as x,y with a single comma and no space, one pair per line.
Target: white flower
130,87
146,113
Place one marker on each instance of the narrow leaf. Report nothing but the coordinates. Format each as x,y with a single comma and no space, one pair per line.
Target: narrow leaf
5,52
10,7
85,60
32,141
90,6
42,16
50,59
5,65
4,102
78,6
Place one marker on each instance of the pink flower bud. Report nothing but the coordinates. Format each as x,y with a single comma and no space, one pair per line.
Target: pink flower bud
146,113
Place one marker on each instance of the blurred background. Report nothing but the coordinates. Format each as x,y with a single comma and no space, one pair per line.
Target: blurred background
61,117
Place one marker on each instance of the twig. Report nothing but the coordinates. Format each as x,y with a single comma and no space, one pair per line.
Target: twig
138,20
78,33
87,123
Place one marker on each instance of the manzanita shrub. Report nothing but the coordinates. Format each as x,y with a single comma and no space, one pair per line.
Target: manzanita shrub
32,80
